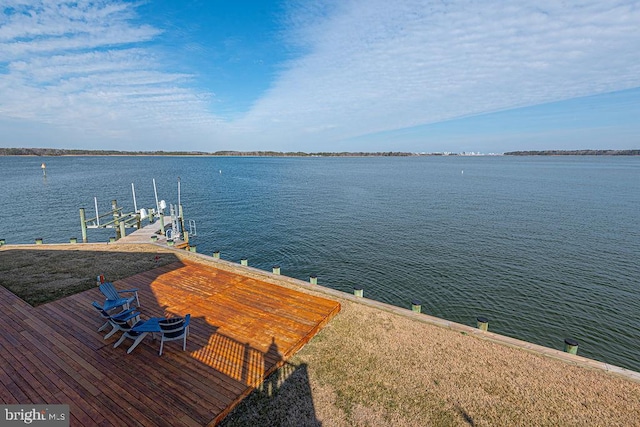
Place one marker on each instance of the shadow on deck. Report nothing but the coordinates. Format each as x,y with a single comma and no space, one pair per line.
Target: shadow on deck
242,330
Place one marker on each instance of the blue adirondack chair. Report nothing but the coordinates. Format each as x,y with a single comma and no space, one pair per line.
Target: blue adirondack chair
124,315
175,328
113,299
127,328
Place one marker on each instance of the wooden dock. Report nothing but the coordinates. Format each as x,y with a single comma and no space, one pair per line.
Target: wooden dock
242,329
144,234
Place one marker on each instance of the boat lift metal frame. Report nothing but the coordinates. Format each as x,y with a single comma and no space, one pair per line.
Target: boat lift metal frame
121,221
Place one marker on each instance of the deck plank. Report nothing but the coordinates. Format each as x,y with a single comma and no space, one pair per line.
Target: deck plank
242,329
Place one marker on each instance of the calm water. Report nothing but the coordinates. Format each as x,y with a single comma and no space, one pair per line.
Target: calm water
545,247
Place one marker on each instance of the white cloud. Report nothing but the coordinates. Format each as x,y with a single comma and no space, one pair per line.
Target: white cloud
377,65
73,65
364,66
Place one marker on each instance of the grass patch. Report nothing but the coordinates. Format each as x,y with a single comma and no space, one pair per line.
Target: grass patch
368,367
40,273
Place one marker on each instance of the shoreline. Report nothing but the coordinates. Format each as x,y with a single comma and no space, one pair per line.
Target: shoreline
282,280
552,353
54,152
376,364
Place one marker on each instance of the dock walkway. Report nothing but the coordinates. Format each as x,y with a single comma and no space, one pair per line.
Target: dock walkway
242,329
144,234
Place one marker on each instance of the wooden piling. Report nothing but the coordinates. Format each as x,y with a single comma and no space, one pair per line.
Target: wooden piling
359,292
123,231
73,240
39,240
313,280
482,323
181,219
244,261
570,346
116,219
162,231
216,254
83,225
276,269
416,307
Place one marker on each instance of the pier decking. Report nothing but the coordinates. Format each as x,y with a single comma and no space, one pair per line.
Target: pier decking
242,329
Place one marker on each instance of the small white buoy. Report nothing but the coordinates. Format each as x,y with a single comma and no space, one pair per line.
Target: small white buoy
462,173
220,171
44,169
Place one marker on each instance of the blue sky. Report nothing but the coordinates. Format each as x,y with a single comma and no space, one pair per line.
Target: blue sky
335,75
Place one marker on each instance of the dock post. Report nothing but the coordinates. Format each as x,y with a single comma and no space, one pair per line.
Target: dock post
112,239
244,261
416,307
169,242
276,269
359,292
73,240
123,231
116,218
181,217
154,237
570,346
482,323
2,242
216,254
83,225
162,224
313,280
185,236
192,248
39,240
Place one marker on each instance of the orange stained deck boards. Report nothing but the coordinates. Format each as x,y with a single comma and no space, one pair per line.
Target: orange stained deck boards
241,330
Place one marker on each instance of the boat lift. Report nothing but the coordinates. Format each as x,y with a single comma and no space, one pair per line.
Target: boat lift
120,221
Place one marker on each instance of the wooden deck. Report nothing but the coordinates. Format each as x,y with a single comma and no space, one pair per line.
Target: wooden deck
242,329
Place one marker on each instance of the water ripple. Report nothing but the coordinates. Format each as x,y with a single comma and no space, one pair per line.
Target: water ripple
546,248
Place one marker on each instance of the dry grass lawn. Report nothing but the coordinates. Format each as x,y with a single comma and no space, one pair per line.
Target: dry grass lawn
369,367
42,273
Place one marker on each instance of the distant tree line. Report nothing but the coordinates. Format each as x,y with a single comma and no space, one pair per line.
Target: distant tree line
364,154
575,153
74,152
65,152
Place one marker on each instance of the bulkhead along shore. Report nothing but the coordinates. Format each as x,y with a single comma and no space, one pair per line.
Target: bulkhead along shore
266,349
